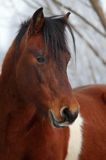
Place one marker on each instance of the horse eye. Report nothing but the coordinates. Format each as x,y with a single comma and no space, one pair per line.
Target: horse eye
41,59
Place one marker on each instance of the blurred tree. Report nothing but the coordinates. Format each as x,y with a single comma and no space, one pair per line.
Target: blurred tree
99,11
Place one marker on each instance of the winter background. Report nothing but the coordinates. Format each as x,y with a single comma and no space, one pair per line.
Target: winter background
89,31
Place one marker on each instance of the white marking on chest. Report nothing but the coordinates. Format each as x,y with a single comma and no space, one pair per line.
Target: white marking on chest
75,139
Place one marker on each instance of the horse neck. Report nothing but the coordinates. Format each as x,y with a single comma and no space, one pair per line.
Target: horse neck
9,63
8,89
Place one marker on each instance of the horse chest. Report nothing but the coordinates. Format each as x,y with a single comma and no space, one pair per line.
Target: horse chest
49,144
75,140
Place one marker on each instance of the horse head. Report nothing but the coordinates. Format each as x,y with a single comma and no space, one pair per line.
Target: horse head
41,70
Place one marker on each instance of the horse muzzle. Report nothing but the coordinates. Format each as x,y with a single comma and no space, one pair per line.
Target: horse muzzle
68,117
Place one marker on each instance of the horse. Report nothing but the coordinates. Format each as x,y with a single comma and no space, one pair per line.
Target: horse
41,116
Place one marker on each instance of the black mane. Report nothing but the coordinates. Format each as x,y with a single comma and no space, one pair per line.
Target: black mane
53,32
21,32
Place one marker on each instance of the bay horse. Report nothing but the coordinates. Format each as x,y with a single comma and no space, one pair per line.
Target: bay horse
41,116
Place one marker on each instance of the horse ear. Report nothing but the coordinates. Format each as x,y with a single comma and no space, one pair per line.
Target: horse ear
66,16
36,22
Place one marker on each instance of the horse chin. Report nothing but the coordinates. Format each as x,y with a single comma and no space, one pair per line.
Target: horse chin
56,123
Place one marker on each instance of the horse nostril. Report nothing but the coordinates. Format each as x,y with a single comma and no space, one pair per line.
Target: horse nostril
69,115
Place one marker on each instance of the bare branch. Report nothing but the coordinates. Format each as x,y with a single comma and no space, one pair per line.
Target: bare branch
29,4
92,71
84,2
99,11
89,45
